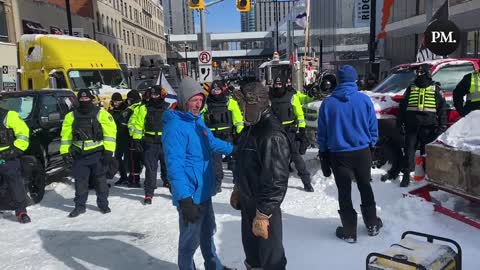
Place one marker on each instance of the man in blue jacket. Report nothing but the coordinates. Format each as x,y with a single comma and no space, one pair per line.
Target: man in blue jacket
347,128
189,147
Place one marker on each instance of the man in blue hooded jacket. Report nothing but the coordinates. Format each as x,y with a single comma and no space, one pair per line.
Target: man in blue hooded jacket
347,128
189,147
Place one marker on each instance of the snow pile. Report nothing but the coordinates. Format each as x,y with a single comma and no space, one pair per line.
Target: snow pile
135,236
464,134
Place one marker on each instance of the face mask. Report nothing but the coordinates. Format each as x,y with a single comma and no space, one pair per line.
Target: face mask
254,107
422,80
85,106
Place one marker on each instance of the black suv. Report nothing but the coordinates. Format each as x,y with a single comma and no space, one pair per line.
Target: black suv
43,111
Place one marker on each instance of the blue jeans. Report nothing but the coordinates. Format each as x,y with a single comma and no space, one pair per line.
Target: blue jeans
197,234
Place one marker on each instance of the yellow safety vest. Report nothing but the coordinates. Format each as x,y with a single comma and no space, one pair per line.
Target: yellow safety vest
474,93
422,99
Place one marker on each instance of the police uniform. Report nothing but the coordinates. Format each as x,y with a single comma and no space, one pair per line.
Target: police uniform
469,86
14,140
146,126
423,113
223,117
135,158
88,141
288,109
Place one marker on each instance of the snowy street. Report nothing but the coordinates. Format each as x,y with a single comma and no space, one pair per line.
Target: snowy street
135,236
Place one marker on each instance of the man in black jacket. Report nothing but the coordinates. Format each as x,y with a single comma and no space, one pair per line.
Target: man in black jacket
469,86
423,116
117,106
262,178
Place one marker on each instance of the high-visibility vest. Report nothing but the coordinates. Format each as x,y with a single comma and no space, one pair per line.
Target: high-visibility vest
422,99
474,93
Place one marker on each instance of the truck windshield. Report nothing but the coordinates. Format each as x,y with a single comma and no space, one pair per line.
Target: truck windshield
282,71
22,105
94,79
395,82
450,76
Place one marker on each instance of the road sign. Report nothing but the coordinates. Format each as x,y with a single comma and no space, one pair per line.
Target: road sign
205,58
206,73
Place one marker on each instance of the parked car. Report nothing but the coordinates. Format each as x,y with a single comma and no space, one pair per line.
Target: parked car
43,111
388,94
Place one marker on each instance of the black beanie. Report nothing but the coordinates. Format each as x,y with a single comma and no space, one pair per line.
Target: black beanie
117,97
85,93
134,95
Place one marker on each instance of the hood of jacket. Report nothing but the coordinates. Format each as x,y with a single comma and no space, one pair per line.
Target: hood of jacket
187,89
344,91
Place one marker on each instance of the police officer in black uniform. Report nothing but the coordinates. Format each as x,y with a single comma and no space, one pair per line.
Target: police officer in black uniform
116,109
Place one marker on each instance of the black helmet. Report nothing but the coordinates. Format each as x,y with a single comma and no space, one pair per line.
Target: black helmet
117,97
133,96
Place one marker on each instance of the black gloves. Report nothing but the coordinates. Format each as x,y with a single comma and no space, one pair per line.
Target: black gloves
325,163
138,146
68,159
106,157
190,211
12,153
304,143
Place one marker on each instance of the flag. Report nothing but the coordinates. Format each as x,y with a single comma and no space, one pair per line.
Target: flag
301,20
171,94
424,54
386,12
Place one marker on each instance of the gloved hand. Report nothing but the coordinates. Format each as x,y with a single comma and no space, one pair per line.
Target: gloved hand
12,153
106,157
138,146
325,163
260,225
68,159
235,198
304,143
190,211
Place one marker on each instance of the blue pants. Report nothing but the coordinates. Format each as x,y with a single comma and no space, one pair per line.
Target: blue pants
152,154
82,168
10,174
197,234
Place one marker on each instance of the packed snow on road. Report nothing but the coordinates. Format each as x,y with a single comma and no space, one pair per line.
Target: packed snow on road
135,236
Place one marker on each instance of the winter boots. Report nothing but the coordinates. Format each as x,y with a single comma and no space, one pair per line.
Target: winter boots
147,200
405,180
76,212
123,181
348,230
23,218
389,176
372,222
308,187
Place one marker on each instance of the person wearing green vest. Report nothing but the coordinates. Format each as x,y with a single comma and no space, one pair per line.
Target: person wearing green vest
469,86
423,116
223,117
147,127
88,141
134,100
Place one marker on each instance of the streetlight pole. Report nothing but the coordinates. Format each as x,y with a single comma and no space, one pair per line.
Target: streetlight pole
186,57
276,22
373,14
69,17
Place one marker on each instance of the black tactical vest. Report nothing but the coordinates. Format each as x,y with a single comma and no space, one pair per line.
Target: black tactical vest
218,115
153,119
86,126
7,137
282,107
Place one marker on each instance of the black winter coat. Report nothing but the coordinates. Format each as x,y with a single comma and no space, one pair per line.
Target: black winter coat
263,157
460,91
122,129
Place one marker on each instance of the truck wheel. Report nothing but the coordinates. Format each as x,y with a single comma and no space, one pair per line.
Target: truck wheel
34,176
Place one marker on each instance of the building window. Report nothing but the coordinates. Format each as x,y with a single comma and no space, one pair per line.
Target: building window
121,6
108,28
103,23
126,10
111,25
116,29
131,17
126,58
99,23
134,59
133,39
130,58
128,38
124,35
143,42
3,24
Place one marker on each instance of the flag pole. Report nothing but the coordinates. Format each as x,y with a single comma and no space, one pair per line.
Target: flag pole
307,31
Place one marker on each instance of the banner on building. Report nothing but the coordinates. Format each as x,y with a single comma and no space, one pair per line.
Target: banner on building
362,13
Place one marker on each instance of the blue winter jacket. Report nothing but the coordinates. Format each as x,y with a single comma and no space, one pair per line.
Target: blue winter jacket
347,120
188,147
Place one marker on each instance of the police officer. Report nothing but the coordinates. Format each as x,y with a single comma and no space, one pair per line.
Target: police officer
134,100
88,143
469,86
116,109
224,118
14,140
146,125
423,116
287,108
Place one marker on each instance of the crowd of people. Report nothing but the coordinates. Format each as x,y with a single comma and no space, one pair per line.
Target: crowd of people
260,133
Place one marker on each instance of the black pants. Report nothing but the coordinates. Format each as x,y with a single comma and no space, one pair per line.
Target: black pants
135,164
11,176
266,254
153,152
218,164
297,159
84,167
353,165
418,136
121,154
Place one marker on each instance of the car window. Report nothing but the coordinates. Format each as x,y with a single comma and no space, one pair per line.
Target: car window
396,82
22,105
450,76
48,105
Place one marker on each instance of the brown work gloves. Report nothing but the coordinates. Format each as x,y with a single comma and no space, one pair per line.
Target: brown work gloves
235,198
260,225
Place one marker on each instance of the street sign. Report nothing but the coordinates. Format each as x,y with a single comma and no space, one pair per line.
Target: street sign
206,73
8,78
205,58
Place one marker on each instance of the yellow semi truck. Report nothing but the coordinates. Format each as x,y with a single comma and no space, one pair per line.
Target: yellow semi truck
59,61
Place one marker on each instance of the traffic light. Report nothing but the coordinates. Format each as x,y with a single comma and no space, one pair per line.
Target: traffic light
244,5
196,4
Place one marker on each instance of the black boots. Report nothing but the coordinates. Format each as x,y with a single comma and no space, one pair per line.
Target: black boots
147,200
348,230
389,176
23,218
76,212
372,222
308,187
405,180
